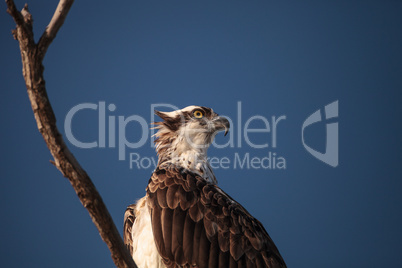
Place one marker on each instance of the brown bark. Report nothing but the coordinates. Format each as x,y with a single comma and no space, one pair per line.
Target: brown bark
32,55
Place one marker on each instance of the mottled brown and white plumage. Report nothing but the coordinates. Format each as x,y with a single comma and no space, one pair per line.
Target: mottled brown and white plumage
185,219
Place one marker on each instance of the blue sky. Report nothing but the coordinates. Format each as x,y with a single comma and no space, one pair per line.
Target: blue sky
277,58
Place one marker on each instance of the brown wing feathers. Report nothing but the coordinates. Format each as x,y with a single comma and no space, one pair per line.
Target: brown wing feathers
197,224
129,218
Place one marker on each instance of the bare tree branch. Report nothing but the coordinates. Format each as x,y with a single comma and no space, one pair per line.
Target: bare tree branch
32,55
55,23
13,11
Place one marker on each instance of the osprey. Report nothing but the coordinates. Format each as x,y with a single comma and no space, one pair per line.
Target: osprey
185,219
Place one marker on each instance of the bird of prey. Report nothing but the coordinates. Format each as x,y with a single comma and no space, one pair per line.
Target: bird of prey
185,219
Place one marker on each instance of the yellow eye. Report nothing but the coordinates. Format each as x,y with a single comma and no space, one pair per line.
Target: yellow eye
198,114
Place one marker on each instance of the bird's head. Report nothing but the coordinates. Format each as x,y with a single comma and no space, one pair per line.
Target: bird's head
198,125
188,131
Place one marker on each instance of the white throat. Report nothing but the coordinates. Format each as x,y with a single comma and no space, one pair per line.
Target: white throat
187,150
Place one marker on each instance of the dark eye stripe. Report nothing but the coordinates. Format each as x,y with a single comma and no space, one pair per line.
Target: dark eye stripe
207,111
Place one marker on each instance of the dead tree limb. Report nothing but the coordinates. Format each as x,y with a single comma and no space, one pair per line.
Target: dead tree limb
32,55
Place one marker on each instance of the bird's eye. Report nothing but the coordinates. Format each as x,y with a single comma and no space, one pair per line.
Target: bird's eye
198,114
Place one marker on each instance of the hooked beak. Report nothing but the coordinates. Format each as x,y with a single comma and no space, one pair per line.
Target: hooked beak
221,123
